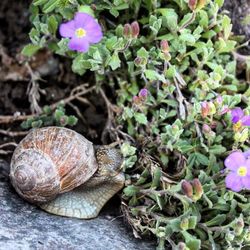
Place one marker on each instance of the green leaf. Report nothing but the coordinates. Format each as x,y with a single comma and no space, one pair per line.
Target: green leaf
202,159
39,2
72,120
191,241
217,149
50,5
115,61
52,25
130,190
80,64
30,49
156,178
217,220
127,149
114,12
227,26
188,38
170,19
141,118
142,52
58,114
220,2
152,75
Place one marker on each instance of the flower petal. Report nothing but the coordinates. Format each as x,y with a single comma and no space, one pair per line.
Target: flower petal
246,182
235,160
247,165
247,154
82,19
79,44
246,120
67,29
236,113
95,35
234,182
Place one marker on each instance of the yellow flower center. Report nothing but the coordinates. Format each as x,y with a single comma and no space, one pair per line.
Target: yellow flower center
237,126
242,171
80,32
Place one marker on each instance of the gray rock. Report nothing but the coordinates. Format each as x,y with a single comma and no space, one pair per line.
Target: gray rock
24,226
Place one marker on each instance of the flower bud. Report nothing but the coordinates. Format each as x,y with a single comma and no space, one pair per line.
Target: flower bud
204,109
127,31
213,124
239,226
196,4
143,93
187,188
164,46
93,7
206,129
140,61
198,190
136,99
135,29
64,120
182,246
192,4
219,100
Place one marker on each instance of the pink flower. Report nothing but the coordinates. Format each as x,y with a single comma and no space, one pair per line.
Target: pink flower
83,30
239,175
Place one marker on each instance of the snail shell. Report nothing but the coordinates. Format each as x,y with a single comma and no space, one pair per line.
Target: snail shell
50,161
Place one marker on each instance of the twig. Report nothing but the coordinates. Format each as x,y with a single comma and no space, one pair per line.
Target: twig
241,58
77,112
13,133
108,124
5,152
72,97
33,90
13,118
8,144
5,119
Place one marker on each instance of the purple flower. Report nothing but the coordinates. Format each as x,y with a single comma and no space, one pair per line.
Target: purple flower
247,154
239,117
83,30
143,93
239,175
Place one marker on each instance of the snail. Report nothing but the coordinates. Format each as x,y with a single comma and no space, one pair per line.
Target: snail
63,173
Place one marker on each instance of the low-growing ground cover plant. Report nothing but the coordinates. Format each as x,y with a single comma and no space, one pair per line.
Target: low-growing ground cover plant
178,109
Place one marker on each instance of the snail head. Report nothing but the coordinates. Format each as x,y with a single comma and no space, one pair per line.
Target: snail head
109,160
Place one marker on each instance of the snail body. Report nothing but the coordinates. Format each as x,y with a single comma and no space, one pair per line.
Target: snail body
60,171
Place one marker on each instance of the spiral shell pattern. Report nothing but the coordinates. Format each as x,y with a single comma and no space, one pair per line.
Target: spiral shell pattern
49,161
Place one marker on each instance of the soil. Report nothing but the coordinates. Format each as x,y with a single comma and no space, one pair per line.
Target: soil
239,11
57,80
